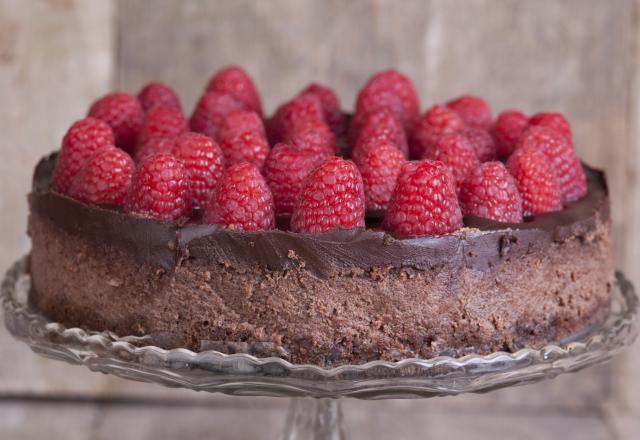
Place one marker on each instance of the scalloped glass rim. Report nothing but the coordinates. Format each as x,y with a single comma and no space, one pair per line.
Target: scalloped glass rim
245,374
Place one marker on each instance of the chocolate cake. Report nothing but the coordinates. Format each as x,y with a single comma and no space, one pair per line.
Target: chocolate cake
317,236
344,297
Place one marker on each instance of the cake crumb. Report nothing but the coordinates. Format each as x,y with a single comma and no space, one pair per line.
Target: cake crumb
114,283
291,254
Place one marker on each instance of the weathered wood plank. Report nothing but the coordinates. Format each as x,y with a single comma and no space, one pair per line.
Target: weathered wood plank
29,421
363,420
427,420
627,399
283,44
55,57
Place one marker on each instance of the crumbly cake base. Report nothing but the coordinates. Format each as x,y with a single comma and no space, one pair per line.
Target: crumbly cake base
349,317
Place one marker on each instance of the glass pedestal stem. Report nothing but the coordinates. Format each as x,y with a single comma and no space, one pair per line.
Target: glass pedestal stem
314,419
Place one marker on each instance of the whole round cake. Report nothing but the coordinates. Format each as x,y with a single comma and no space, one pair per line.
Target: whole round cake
318,237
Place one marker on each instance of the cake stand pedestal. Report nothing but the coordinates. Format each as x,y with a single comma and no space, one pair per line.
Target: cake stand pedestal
315,408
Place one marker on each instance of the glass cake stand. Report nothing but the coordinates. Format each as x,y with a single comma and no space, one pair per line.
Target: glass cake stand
315,408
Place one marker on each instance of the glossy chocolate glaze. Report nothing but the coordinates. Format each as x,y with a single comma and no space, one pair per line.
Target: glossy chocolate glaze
480,244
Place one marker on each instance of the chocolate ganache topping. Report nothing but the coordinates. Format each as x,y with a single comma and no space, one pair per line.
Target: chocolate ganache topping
477,245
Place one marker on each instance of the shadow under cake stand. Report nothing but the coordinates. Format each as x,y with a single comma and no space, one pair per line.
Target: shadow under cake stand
315,408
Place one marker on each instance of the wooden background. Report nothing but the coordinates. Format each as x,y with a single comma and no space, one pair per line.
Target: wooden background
580,57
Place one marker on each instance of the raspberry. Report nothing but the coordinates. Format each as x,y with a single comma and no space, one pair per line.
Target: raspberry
380,166
160,189
211,110
378,124
552,120
242,200
364,144
506,130
105,179
154,145
162,122
235,81
331,197
474,111
83,138
292,115
456,152
564,162
436,121
242,139
489,191
482,143
314,136
374,100
124,115
330,106
204,163
240,121
536,181
285,171
156,94
424,201
396,83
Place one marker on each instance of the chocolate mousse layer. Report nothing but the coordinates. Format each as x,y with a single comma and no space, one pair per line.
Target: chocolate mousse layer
330,299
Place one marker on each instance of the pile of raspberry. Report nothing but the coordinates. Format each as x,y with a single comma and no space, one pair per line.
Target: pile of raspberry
228,165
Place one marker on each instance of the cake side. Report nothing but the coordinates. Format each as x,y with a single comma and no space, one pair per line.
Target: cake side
346,297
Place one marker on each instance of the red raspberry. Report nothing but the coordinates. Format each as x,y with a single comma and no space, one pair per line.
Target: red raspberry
436,121
240,121
236,82
331,197
506,130
330,106
552,120
314,136
491,192
473,110
160,189
292,115
105,179
124,115
162,122
378,124
564,161
242,139
242,200
285,171
364,144
83,138
211,110
456,152
374,100
380,166
424,201
396,83
536,181
156,94
482,143
204,163
155,145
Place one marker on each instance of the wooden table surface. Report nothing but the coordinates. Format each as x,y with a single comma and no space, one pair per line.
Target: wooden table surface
580,57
